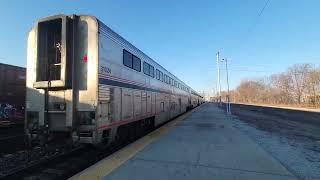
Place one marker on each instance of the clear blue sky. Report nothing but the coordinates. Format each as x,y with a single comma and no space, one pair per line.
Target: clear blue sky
184,36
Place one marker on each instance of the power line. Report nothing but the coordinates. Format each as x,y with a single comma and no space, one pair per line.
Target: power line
248,70
258,17
253,66
242,70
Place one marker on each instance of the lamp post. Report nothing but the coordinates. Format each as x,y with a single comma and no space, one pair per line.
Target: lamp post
228,96
218,77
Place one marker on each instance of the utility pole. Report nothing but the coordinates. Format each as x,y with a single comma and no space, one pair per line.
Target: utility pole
218,77
215,91
228,95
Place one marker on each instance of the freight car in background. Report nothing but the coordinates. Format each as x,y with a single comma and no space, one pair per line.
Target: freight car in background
87,83
12,93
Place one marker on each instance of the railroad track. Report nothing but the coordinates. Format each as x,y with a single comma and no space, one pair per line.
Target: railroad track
41,163
291,136
14,166
297,125
11,144
12,139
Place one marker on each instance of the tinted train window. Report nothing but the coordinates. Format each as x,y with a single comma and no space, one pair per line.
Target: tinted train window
161,76
127,58
148,69
131,61
157,74
151,71
136,63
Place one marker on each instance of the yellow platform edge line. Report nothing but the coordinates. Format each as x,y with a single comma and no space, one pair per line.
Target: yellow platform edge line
115,160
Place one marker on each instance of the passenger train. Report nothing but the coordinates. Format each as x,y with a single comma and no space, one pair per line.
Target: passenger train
87,83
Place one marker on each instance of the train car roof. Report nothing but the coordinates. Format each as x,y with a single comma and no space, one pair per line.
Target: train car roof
142,53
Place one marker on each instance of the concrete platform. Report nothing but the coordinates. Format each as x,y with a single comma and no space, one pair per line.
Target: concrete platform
204,145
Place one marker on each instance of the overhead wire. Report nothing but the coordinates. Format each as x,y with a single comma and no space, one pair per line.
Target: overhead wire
258,17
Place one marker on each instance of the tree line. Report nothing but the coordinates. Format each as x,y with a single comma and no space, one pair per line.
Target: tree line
299,86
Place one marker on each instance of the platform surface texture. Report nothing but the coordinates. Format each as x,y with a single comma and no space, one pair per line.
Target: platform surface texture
203,146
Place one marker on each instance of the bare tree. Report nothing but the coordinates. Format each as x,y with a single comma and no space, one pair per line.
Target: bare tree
298,74
281,84
300,85
250,91
313,87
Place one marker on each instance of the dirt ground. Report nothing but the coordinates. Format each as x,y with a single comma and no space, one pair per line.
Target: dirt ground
295,143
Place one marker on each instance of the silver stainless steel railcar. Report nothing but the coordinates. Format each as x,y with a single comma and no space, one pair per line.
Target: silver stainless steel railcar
88,83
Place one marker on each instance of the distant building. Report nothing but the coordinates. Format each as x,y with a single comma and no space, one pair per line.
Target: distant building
12,85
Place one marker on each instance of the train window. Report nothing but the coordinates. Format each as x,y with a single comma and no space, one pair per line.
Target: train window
131,61
127,59
146,68
151,71
157,74
162,106
136,64
161,76
49,50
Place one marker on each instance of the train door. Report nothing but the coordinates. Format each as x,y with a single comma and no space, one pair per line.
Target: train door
137,103
149,104
167,106
144,103
153,103
127,104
